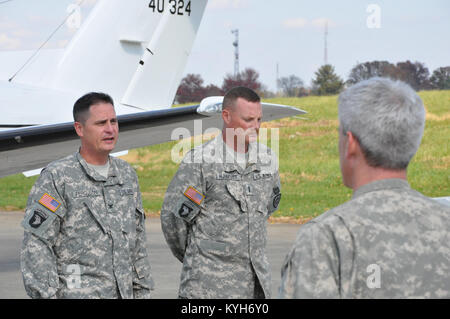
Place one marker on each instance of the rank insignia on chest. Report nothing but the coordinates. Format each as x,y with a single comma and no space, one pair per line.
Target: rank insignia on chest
194,195
248,190
49,202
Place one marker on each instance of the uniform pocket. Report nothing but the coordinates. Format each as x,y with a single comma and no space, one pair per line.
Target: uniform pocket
141,215
143,273
209,245
263,210
96,217
53,280
212,249
236,191
142,268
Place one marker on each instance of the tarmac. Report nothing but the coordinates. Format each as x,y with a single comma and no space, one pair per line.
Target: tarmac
165,267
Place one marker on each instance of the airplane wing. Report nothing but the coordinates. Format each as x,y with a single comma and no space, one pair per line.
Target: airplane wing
133,50
443,200
29,148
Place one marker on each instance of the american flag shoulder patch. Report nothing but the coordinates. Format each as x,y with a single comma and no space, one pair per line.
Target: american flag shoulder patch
194,195
49,202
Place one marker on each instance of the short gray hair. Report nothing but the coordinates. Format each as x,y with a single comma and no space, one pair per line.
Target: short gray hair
387,118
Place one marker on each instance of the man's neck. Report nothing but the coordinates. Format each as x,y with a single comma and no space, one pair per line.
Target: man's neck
233,143
373,174
94,159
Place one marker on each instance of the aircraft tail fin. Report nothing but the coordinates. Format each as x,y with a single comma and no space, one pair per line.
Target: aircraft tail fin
163,51
134,50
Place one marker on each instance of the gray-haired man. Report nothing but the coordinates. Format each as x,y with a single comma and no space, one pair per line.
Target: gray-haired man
388,241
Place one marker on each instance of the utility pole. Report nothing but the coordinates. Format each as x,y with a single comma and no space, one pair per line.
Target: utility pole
236,52
278,79
325,55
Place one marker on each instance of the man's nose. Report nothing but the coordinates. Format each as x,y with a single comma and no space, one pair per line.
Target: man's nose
109,127
256,124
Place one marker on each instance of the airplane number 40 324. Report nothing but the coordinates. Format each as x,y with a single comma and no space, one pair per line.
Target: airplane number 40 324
178,7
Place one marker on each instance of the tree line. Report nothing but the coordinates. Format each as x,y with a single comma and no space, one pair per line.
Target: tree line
191,88
325,81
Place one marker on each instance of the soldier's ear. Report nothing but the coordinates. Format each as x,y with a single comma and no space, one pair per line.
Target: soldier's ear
78,128
226,116
353,147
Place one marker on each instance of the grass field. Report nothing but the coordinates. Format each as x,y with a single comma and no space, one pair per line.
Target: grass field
309,162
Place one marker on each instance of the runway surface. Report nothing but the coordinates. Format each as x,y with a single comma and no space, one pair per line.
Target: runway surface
165,267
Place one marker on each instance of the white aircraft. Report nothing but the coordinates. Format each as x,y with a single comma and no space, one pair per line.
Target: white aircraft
136,52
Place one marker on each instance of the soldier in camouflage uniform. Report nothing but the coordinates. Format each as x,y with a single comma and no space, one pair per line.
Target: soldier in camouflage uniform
84,222
388,241
216,207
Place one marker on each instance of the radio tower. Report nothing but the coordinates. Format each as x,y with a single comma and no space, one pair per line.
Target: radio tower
325,55
236,52
278,79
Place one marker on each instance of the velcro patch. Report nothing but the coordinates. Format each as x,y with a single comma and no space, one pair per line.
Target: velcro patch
49,202
276,190
187,210
37,219
194,195
276,200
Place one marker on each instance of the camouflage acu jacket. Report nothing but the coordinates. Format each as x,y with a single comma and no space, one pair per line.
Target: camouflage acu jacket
84,233
389,241
214,219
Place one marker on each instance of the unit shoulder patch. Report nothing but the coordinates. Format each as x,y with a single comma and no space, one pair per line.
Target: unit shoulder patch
37,219
187,210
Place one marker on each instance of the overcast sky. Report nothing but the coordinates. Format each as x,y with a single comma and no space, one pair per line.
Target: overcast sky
287,32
